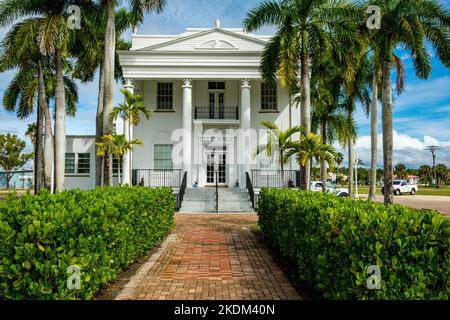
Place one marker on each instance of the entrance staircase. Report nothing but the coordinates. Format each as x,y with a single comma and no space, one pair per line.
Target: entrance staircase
204,200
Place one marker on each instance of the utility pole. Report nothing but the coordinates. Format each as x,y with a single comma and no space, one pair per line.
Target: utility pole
434,150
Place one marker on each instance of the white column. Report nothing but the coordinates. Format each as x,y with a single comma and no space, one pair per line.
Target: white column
126,164
245,126
187,127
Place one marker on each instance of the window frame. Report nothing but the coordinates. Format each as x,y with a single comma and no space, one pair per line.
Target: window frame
158,159
76,165
269,97
164,95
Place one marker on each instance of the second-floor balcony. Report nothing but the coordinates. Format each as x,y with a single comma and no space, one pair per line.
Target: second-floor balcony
216,113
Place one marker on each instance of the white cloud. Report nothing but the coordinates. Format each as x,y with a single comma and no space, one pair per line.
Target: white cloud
408,150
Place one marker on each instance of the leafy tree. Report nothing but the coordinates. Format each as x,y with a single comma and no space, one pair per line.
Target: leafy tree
441,174
408,24
130,111
116,145
137,8
426,174
307,32
278,143
12,157
31,133
400,171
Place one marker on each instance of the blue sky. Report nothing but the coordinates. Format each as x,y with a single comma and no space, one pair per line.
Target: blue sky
421,114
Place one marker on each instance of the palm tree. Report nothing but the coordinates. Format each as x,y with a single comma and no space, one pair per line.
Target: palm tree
54,38
138,8
31,133
339,159
407,24
278,142
356,89
116,145
308,31
312,148
400,171
426,174
130,111
441,174
19,50
90,59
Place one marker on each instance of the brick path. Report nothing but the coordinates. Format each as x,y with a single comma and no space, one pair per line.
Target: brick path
209,256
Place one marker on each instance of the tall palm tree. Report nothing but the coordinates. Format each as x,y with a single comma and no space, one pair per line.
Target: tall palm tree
408,24
130,111
90,53
400,171
54,39
137,8
307,32
312,148
278,142
116,145
31,133
339,159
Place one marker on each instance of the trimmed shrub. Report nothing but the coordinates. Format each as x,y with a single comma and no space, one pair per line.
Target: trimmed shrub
100,231
334,240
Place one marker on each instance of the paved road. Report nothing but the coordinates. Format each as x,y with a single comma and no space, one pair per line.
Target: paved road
209,257
440,203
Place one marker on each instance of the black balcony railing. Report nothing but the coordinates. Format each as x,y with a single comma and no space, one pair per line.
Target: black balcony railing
221,113
275,179
157,178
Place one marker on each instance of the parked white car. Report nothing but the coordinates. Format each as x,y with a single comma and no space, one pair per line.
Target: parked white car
316,186
402,186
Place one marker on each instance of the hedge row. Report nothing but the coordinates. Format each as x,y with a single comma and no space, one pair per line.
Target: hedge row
100,231
334,240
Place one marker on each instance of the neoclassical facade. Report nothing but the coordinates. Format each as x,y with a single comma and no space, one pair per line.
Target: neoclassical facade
207,99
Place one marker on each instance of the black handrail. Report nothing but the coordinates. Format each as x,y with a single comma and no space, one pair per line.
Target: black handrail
251,192
182,191
157,177
221,113
275,178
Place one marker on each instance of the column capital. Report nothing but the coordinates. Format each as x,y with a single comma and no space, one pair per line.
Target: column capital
187,83
245,83
128,84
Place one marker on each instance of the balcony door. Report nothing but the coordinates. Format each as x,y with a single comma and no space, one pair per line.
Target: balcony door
216,105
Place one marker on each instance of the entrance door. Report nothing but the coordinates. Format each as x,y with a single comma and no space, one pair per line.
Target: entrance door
216,159
216,105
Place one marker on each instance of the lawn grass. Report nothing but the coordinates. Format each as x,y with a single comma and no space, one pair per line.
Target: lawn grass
423,191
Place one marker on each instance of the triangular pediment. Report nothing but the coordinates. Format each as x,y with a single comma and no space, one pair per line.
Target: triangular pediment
210,40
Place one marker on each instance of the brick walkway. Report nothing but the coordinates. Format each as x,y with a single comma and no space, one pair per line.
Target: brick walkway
209,256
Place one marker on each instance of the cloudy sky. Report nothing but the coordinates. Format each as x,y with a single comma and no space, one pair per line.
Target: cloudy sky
421,113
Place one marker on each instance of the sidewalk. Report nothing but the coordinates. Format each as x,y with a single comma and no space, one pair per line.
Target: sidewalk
209,256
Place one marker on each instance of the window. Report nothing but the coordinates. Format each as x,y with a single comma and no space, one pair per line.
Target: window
165,96
216,85
268,97
116,165
163,156
70,163
79,161
84,161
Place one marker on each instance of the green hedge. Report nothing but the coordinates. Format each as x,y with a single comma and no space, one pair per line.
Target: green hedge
334,240
101,231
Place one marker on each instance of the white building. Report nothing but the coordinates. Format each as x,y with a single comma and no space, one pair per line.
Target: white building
207,99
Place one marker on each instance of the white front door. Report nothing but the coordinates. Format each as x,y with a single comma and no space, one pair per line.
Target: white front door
216,159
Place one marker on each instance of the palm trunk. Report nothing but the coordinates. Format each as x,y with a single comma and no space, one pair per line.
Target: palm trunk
350,167
110,48
119,182
387,133
305,110
48,137
374,138
60,124
39,126
323,164
99,126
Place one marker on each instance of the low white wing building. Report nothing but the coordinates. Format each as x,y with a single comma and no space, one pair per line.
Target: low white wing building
207,99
